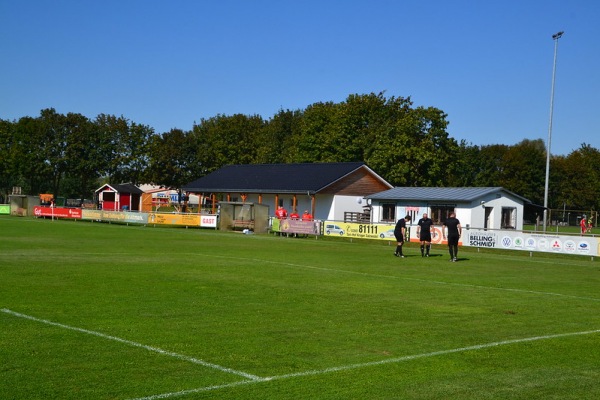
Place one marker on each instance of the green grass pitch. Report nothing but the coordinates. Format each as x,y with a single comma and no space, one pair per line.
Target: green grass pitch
106,311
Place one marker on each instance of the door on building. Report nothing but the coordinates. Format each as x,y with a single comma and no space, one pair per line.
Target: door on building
487,222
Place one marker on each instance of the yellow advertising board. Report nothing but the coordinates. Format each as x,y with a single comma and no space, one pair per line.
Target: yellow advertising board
359,231
174,219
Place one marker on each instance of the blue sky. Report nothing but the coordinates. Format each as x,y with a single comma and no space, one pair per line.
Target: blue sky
168,64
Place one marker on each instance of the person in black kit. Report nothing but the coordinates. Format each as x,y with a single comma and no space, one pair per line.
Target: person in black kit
399,233
454,232
424,234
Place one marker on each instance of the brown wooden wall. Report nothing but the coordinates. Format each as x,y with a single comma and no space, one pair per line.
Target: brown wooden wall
359,183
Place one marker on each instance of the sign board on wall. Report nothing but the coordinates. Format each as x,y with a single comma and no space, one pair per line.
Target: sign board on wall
208,221
57,212
497,239
174,219
296,226
529,241
359,231
116,216
202,220
377,231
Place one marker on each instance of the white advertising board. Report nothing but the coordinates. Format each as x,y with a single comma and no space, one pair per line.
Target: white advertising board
516,240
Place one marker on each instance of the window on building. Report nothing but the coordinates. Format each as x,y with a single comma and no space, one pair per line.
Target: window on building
509,218
412,212
108,196
439,213
388,213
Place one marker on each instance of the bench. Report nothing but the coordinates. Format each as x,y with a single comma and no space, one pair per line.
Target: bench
242,224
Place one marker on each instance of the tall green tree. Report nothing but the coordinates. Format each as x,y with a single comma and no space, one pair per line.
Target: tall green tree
173,159
135,147
29,156
224,140
130,143
490,165
85,156
275,141
8,173
360,120
575,180
467,162
524,169
112,130
407,146
314,141
416,150
54,146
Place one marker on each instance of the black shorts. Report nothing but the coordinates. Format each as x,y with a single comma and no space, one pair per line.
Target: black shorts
399,238
425,237
453,240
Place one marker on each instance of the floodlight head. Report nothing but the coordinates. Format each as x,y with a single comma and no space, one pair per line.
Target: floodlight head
557,35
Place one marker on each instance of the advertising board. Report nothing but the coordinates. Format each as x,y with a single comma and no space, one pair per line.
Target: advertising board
530,241
174,219
208,221
57,212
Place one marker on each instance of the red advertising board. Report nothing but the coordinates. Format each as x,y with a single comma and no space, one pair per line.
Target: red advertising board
57,212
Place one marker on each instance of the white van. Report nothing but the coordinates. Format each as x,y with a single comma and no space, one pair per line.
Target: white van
331,229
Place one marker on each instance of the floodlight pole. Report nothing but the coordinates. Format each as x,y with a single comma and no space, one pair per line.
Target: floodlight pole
555,37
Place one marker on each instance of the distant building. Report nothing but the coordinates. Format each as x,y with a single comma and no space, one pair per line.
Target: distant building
477,207
122,197
327,190
155,197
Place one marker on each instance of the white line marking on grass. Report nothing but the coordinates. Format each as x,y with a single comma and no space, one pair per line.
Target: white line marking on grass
388,276
406,278
369,364
432,354
134,344
503,289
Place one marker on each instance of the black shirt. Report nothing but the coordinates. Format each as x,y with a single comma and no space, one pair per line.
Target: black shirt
399,225
452,224
425,224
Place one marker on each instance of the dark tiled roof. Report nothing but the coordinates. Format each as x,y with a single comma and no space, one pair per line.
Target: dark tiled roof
128,188
465,194
274,178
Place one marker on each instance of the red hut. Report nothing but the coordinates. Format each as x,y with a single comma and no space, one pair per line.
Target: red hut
123,197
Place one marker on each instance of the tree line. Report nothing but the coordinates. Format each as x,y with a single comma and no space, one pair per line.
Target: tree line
72,155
